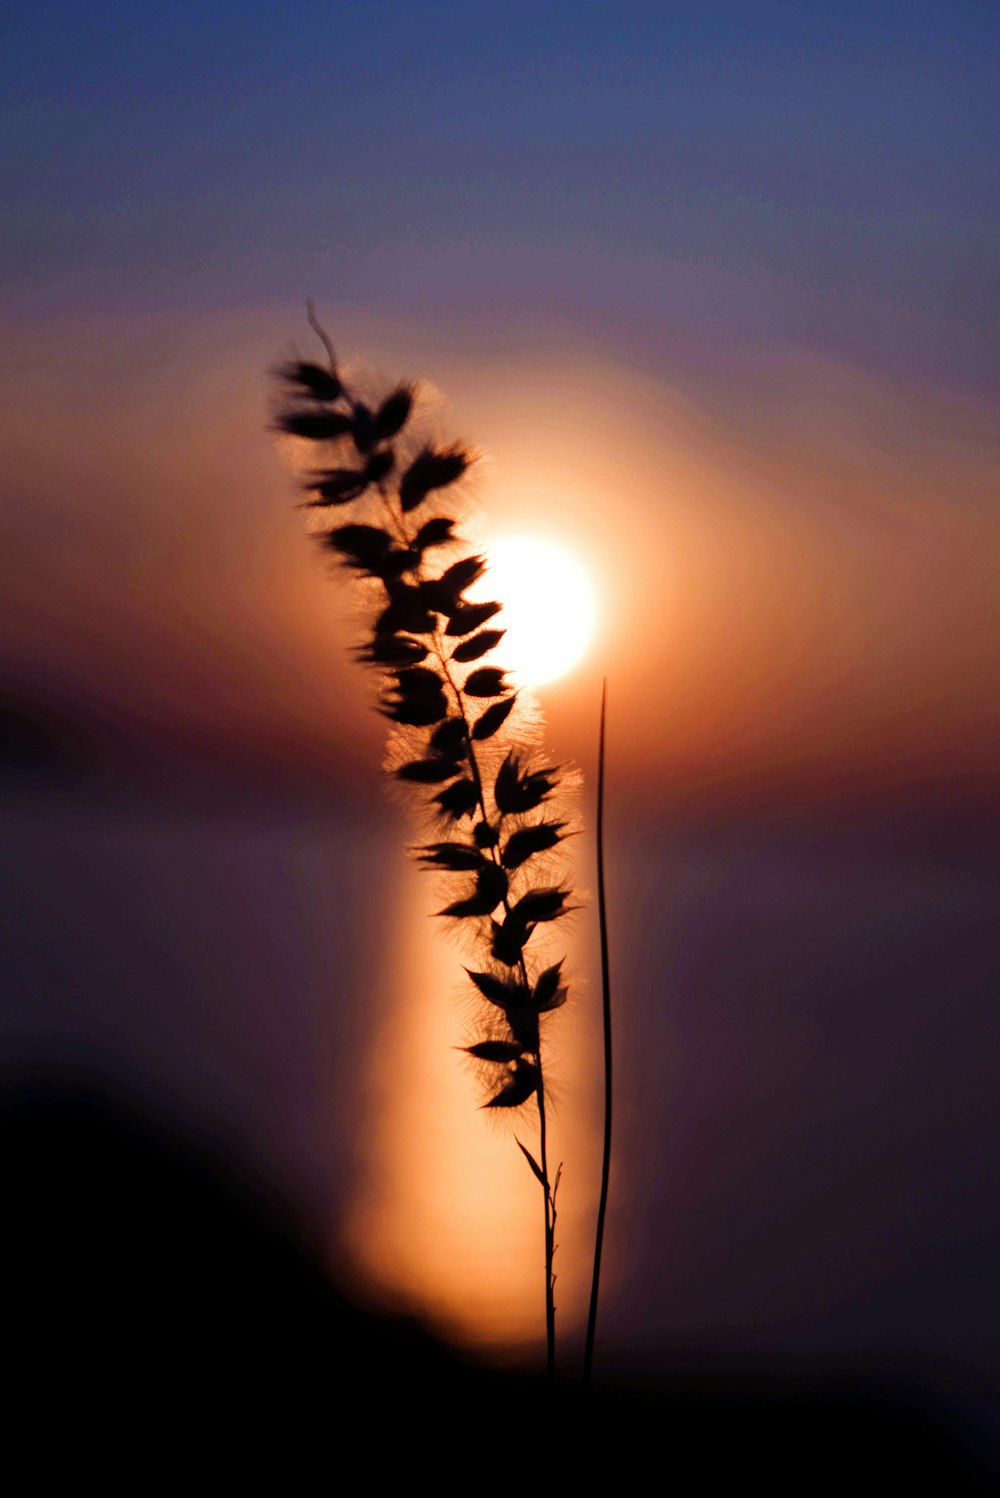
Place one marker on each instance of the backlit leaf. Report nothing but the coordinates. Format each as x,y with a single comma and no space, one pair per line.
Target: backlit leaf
336,486
406,611
379,466
536,1168
392,650
507,940
451,738
431,470
540,905
434,533
529,840
458,800
317,426
469,616
503,992
363,427
487,681
495,1050
427,771
491,884
313,381
360,543
452,856
471,650
493,718
546,987
523,1082
419,712
393,413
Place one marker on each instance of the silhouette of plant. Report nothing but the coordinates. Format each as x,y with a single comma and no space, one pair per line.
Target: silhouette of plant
463,737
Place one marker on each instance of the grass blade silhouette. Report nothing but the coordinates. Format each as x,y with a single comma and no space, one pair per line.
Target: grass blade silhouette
602,1211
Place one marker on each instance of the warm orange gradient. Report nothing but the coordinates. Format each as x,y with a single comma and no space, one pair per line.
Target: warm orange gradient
795,574
447,1216
793,562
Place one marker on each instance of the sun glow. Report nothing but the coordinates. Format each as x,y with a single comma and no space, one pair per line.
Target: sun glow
549,610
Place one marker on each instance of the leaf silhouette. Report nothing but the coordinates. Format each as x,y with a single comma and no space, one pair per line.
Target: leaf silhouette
546,987
471,650
361,544
487,681
495,1050
418,712
462,575
515,792
540,905
430,470
420,697
433,533
313,380
469,616
451,856
418,681
362,427
536,1168
503,992
444,593
492,719
523,844
393,414
393,564
522,1084
491,884
451,738
379,466
316,426
337,486
392,650
507,940
458,800
406,611
427,771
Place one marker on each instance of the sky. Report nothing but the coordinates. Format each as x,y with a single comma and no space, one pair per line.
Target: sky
793,174
713,290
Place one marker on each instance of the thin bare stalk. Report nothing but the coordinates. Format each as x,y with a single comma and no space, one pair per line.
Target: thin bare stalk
588,1356
550,1229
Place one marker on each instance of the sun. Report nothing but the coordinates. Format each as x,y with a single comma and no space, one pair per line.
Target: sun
549,609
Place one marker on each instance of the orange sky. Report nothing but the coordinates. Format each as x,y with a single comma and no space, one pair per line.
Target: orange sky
794,561
796,577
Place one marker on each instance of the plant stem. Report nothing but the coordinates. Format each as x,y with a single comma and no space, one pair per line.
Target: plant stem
549,1195
588,1357
550,1229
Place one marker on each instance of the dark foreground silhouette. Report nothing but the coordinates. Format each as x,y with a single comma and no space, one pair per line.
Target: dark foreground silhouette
167,1317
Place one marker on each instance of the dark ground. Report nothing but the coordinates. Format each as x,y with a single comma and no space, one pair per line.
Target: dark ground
169,1316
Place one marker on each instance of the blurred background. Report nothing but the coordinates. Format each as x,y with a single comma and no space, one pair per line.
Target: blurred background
715,294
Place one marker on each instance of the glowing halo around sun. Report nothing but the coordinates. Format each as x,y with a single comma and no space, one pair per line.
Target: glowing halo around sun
549,609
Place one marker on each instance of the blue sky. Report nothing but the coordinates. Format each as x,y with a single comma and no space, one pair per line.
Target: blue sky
813,176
